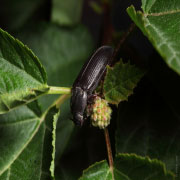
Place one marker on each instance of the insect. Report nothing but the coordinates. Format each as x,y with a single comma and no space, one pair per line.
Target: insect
87,81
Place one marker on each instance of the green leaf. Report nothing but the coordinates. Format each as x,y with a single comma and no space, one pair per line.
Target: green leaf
159,21
98,171
22,77
126,167
26,144
120,82
148,126
55,114
131,166
62,51
66,12
65,129
17,129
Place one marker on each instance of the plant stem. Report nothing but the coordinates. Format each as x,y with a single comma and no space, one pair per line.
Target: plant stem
59,90
109,151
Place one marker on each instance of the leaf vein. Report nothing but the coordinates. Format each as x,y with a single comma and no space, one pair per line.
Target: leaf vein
25,145
164,40
18,122
9,174
163,13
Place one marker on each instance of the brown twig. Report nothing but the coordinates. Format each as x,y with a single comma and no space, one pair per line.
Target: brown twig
109,151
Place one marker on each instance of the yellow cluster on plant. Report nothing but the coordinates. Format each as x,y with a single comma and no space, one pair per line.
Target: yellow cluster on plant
99,112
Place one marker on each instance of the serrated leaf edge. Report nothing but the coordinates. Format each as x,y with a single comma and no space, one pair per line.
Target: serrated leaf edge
55,118
111,69
23,147
39,122
37,61
148,35
30,92
147,158
91,166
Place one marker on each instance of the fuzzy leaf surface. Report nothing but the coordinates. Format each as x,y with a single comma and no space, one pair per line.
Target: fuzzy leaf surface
128,166
26,144
22,77
159,21
120,82
98,171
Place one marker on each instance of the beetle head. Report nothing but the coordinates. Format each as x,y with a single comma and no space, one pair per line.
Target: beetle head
78,105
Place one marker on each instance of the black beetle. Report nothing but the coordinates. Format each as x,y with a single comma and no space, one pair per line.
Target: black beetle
87,81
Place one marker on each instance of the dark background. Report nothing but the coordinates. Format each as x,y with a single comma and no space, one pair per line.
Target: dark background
153,109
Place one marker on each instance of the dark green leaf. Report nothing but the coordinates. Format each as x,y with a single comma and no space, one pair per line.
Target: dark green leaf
159,21
148,126
17,129
130,166
66,12
26,144
22,77
98,171
120,82
62,51
64,131
126,167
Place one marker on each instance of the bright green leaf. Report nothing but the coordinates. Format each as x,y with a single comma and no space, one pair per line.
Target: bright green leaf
66,12
26,144
22,77
55,118
120,82
159,21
